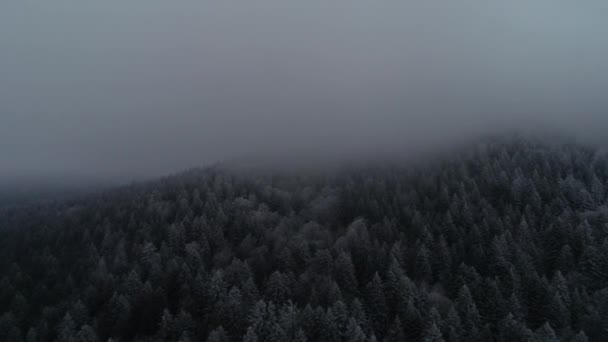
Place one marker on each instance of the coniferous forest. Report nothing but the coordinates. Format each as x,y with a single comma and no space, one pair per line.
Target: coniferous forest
505,241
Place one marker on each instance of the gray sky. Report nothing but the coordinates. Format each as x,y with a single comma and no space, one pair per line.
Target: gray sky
132,88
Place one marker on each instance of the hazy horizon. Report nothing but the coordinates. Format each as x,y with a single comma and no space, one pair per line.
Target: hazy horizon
121,91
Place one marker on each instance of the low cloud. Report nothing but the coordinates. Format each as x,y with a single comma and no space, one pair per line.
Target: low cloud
124,90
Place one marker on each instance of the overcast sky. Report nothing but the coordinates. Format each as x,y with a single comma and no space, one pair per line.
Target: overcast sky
132,88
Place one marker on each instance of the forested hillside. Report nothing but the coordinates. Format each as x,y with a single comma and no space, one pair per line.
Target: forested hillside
507,241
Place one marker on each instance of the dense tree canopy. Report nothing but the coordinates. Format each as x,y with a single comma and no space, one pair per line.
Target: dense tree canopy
505,242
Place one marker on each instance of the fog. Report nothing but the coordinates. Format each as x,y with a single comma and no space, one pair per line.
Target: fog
134,89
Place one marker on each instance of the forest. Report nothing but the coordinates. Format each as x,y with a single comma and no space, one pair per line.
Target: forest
506,241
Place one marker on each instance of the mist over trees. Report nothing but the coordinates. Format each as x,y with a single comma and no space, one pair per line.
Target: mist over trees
130,90
506,241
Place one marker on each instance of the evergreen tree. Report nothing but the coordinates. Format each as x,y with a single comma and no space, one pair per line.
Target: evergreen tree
580,337
377,308
433,334
412,323
67,329
546,334
218,335
250,336
395,333
354,332
86,334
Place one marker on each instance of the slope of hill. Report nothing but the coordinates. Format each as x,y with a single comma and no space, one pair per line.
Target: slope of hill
505,242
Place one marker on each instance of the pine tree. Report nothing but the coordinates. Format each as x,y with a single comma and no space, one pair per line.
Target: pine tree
300,336
509,329
451,326
340,314
67,329
345,275
423,265
546,334
433,334
399,289
580,337
231,313
354,332
250,292
79,314
395,333
277,334
218,335
86,334
250,336
468,311
412,323
376,304
329,328
277,288
260,319
167,325
357,312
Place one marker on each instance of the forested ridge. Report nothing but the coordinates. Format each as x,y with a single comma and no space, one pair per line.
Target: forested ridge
506,241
